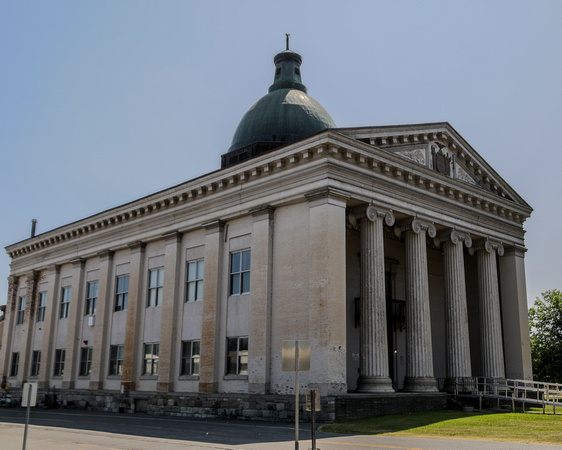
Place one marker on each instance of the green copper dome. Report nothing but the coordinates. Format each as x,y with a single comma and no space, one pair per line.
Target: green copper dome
286,114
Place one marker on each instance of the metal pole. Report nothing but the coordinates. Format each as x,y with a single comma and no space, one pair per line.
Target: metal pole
296,395
313,410
27,416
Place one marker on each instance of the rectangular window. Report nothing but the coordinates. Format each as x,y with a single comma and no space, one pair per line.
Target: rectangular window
91,297
21,310
85,361
60,355
35,363
151,359
155,287
240,272
116,353
121,293
64,302
190,357
41,306
195,274
15,364
237,358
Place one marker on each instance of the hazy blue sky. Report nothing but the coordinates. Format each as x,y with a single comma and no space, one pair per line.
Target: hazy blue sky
103,102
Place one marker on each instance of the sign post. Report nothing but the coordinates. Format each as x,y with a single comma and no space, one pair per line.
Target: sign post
313,405
295,356
29,399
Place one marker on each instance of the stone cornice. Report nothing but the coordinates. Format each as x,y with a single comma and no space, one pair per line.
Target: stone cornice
342,150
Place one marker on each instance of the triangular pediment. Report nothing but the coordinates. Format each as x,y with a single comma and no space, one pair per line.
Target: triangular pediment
440,148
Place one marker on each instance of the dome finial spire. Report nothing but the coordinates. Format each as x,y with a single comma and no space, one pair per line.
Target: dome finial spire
287,34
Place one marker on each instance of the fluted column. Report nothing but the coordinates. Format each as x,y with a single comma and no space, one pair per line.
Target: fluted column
419,352
374,376
456,315
491,341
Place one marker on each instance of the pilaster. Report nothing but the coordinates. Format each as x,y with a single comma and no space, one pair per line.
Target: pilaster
27,326
456,314
212,295
517,345
9,323
136,277
170,306
103,311
49,326
75,313
419,352
259,351
327,288
374,376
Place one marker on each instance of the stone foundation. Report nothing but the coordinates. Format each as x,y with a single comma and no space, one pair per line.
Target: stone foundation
281,408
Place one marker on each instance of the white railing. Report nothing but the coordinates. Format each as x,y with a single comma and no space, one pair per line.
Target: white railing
524,392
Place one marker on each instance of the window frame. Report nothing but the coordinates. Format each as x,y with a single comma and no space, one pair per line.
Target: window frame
22,300
239,279
238,355
14,364
91,298
197,282
35,363
190,358
60,356
156,291
116,360
85,361
150,358
41,306
121,293
66,291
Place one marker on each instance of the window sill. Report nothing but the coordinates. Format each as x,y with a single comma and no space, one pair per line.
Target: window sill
189,377
149,377
114,377
233,376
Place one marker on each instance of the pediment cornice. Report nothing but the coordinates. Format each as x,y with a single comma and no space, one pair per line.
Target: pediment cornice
333,145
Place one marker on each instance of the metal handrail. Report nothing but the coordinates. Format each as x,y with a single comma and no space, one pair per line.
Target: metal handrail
518,391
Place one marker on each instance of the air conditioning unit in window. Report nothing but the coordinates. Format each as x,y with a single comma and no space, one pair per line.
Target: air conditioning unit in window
91,321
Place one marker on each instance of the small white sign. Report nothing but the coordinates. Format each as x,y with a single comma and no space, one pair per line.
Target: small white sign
29,396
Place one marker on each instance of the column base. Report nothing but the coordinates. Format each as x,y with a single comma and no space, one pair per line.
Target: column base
96,385
420,384
374,384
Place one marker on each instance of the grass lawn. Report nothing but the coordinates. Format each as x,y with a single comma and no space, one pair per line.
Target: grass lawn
532,428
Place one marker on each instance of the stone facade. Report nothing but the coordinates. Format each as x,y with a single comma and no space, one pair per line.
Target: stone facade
356,240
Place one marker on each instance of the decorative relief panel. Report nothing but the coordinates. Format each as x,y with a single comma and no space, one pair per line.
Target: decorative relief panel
416,155
461,174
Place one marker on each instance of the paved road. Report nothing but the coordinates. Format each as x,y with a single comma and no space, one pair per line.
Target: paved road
75,429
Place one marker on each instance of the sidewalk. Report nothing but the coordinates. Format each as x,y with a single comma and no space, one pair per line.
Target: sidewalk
54,438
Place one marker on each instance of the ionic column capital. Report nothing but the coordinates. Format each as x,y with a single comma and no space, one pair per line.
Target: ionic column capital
417,226
453,236
488,245
371,212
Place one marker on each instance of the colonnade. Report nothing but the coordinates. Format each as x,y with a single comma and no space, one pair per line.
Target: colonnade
374,371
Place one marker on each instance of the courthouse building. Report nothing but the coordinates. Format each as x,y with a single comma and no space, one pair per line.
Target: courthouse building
396,251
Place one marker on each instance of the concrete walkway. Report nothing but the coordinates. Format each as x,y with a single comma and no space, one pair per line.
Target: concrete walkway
55,438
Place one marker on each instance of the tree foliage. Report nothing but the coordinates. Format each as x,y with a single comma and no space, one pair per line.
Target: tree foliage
545,324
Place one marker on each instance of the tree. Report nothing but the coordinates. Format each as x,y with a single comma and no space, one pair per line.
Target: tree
545,326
